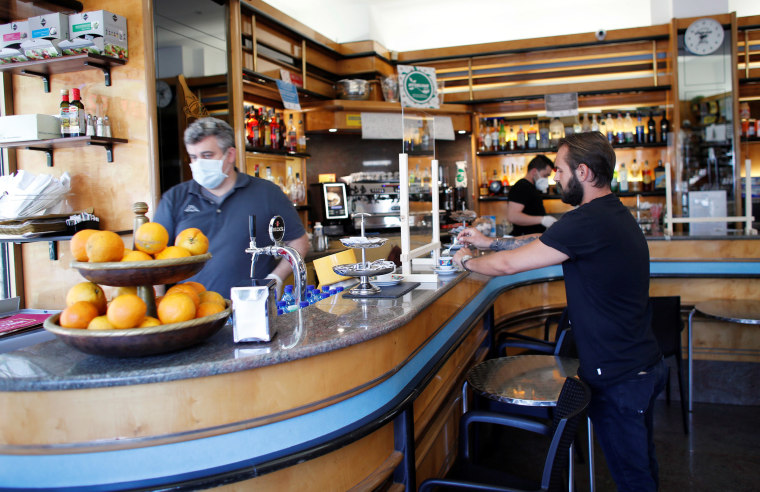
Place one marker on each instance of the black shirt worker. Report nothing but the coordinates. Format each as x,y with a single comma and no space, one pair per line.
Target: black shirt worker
605,262
525,209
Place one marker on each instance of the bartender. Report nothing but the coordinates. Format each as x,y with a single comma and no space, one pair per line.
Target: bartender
525,209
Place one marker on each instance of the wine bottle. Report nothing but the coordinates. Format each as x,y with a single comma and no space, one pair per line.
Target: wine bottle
77,116
664,129
651,130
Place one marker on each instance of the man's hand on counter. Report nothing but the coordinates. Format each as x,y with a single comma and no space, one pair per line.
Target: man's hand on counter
473,237
463,253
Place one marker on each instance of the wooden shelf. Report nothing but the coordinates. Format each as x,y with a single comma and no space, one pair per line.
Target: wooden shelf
64,64
750,139
47,146
285,153
505,198
554,149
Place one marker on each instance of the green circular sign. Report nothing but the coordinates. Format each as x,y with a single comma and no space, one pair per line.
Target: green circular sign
419,87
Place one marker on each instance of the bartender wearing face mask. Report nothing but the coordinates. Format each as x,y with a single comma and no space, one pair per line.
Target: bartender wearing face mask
526,207
218,201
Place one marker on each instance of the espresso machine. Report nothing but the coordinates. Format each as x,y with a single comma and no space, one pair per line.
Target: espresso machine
380,200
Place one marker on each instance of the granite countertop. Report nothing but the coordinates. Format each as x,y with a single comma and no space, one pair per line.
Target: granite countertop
328,325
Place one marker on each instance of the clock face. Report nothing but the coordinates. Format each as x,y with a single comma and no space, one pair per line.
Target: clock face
703,36
163,94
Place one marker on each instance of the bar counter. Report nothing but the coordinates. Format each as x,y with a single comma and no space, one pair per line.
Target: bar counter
349,393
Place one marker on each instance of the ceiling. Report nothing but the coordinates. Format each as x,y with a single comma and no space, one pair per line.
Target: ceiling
190,23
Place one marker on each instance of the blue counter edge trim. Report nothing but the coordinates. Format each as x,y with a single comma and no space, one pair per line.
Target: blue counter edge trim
251,450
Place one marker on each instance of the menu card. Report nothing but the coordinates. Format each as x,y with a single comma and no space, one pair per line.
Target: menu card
20,321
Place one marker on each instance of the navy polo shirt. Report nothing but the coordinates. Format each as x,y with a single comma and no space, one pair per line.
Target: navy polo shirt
226,226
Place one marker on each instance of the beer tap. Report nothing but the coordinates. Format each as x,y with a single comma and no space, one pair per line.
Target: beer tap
276,232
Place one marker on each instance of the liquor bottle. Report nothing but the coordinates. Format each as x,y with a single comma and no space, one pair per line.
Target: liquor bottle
603,126
615,183
504,178
520,138
494,136
247,124
586,125
290,185
301,137
268,176
255,127
425,143
274,131
292,135
483,190
426,180
63,112
256,171
651,129
282,136
482,136
300,189
646,177
640,130
543,135
77,116
594,124
487,137
266,126
556,131
532,135
502,136
623,178
494,185
512,139
577,127
611,130
659,176
664,129
634,179
629,128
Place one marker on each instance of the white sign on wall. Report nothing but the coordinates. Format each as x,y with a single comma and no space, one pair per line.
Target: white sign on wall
418,87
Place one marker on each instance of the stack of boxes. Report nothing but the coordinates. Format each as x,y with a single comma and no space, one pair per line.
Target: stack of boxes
54,35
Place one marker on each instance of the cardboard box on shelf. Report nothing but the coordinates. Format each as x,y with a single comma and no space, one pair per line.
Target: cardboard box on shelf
11,37
46,34
23,127
100,32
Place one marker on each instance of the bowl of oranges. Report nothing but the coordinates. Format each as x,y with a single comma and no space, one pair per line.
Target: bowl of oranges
100,256
135,322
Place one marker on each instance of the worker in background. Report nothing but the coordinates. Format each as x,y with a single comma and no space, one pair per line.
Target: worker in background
525,209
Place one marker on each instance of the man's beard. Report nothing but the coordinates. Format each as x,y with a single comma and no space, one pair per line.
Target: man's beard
573,195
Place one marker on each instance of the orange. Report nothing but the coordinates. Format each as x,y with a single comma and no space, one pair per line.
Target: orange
151,237
90,292
136,256
126,311
185,289
100,323
79,242
199,287
78,315
105,246
211,296
172,252
175,308
149,321
208,308
193,240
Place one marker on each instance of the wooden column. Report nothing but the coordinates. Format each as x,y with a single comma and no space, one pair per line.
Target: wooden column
235,79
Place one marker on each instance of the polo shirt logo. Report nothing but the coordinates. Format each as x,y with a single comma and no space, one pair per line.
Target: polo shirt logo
190,209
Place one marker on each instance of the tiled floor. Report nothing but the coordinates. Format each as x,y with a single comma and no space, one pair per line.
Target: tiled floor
722,453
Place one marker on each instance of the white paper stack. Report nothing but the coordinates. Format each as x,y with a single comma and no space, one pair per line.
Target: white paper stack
25,194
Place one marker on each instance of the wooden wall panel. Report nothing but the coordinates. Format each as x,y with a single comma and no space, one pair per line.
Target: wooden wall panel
111,188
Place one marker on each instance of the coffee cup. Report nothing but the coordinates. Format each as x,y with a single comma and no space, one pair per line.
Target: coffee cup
446,262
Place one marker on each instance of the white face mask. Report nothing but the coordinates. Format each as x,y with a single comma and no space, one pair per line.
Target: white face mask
542,185
208,172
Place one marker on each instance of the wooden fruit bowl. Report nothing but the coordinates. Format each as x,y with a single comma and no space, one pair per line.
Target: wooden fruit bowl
130,273
138,342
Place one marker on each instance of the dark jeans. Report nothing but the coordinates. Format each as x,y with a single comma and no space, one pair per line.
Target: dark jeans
622,418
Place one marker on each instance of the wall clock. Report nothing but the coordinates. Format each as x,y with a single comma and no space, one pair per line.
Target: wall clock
703,36
163,93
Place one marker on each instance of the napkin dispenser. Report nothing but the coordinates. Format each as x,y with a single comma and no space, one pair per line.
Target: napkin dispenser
253,311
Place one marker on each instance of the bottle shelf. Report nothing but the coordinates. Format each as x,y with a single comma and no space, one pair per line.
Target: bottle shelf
750,139
48,145
265,150
504,198
551,150
43,69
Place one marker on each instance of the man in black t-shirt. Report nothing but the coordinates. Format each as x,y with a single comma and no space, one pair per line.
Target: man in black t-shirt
525,209
605,262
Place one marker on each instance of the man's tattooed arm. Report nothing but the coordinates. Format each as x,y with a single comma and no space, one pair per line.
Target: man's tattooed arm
506,243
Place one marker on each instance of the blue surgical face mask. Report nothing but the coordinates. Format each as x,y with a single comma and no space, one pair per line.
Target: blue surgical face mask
208,172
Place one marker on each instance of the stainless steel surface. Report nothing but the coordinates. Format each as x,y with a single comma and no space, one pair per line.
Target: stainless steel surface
292,256
531,380
377,267
356,89
254,311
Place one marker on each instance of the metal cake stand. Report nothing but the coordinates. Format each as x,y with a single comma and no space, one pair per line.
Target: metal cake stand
364,269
